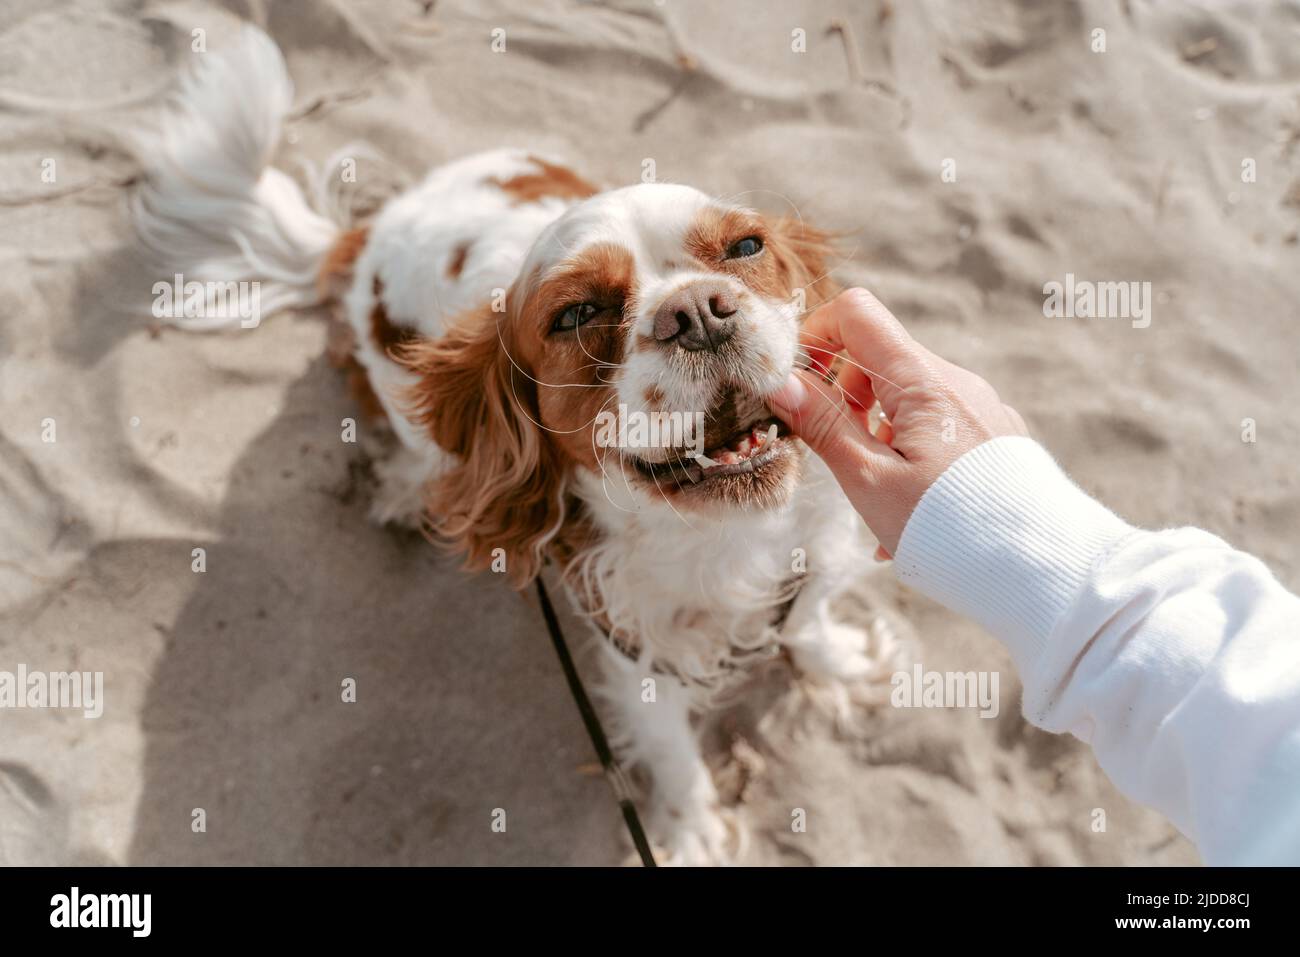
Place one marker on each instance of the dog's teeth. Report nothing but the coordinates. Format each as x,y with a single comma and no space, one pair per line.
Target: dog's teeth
703,459
771,435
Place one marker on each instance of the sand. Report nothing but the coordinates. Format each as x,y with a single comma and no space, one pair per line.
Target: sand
223,686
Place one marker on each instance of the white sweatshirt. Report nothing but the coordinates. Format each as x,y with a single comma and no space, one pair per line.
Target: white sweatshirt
1175,657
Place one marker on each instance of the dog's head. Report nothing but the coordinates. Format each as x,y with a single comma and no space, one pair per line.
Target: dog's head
634,346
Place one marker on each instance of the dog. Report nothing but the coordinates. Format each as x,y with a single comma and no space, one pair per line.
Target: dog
499,314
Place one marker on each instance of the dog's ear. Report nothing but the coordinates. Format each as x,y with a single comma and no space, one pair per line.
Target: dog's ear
506,491
804,256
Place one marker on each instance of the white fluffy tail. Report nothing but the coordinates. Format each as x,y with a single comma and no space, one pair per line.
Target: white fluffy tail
210,208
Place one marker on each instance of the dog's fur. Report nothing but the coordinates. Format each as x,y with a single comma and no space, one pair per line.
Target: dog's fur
451,295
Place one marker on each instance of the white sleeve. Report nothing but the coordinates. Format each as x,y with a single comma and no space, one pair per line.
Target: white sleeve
1175,657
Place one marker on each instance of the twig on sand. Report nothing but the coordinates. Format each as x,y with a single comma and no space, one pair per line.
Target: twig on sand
27,199
424,24
690,68
327,100
685,59
845,30
856,75
1194,51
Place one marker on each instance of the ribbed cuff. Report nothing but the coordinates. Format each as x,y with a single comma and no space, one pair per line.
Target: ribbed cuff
1004,537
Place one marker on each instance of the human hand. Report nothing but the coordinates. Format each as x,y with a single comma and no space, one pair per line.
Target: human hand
934,411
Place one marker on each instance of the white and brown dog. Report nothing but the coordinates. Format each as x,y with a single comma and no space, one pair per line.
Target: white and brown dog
499,311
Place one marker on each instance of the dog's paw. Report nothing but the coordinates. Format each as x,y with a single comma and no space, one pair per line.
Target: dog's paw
399,497
852,655
850,669
698,837
403,510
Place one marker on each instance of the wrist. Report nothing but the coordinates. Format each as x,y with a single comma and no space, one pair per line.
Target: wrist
1004,537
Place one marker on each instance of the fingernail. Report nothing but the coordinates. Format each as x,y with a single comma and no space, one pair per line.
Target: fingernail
791,394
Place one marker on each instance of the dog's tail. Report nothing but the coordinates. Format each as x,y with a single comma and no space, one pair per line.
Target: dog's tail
211,208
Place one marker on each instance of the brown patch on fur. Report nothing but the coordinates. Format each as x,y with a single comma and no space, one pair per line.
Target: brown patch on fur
339,344
604,274
341,257
506,490
363,394
795,255
551,180
337,266
385,333
339,350
803,256
654,397
516,405
457,262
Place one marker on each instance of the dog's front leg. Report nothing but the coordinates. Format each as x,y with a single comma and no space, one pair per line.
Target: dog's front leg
650,726
827,651
402,476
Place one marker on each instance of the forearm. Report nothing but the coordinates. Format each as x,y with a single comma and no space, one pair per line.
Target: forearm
1174,656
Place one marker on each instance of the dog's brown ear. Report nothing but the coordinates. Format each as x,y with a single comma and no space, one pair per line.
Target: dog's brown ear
503,499
804,256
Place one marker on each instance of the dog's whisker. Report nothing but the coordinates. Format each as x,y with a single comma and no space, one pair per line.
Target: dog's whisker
853,362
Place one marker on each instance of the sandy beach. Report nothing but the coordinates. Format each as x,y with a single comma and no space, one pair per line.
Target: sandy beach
969,153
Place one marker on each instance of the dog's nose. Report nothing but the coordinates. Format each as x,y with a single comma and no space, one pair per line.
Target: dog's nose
697,316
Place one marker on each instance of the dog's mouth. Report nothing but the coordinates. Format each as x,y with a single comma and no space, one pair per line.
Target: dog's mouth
749,457
748,450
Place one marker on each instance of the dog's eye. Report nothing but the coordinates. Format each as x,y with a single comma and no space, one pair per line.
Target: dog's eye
749,246
574,316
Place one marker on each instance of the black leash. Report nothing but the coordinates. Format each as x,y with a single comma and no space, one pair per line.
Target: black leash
613,773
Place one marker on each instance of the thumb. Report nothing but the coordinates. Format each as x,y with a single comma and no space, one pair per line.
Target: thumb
818,413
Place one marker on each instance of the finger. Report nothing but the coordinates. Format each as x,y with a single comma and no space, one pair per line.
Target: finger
856,384
857,323
856,320
820,360
820,416
1016,419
